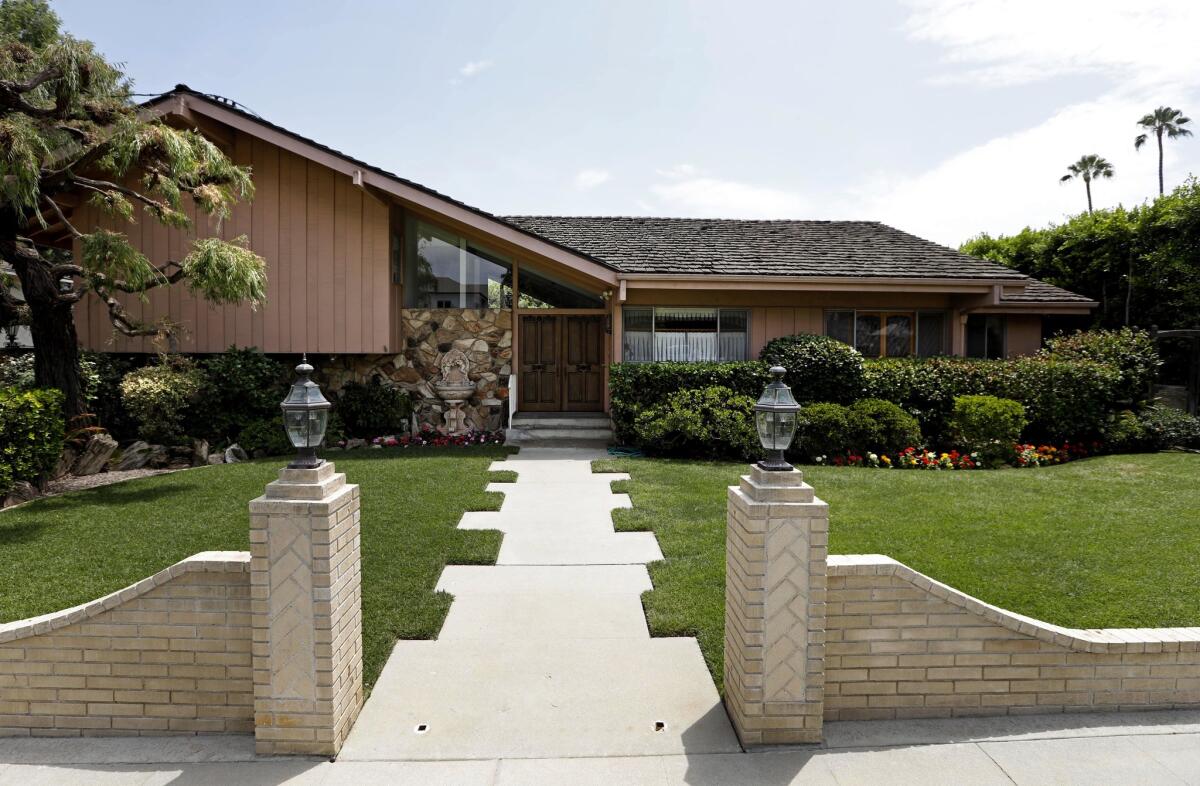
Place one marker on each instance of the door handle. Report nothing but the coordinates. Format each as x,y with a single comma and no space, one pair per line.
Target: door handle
537,366
581,367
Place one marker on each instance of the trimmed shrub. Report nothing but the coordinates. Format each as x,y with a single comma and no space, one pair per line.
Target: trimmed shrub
988,426
265,438
373,409
1126,434
712,422
819,368
1132,352
104,392
31,435
879,426
1167,427
823,429
636,387
1064,400
159,397
239,388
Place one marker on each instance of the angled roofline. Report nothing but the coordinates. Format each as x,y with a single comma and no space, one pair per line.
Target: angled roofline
183,100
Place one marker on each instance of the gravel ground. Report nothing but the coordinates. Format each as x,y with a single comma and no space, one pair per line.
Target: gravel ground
77,483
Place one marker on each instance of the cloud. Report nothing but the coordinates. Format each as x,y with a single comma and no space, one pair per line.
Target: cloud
470,69
691,192
590,178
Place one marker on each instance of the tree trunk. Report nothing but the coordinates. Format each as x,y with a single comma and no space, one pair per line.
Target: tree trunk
1088,185
1160,163
52,327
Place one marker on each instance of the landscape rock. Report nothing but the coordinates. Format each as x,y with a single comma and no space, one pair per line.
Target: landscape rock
352,444
22,491
134,457
65,462
95,456
159,457
200,455
216,458
234,454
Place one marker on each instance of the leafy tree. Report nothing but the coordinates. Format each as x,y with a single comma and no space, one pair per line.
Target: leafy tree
1141,264
69,131
1163,120
1088,168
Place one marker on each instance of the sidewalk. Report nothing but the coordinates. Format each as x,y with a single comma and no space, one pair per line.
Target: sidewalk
1092,750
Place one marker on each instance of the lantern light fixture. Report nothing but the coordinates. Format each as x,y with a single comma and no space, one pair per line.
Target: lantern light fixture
305,417
775,419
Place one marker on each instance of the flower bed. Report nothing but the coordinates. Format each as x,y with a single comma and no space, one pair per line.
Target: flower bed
428,437
920,458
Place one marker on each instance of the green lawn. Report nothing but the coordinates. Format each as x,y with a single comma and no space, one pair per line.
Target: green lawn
1106,542
58,552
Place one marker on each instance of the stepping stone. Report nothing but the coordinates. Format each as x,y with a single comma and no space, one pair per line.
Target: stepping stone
625,548
461,580
549,616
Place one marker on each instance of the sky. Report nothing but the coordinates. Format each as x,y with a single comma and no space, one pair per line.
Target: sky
945,118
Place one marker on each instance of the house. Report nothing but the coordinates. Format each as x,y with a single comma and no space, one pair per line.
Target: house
377,275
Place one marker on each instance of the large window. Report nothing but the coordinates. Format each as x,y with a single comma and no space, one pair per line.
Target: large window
878,334
445,270
985,336
540,290
684,333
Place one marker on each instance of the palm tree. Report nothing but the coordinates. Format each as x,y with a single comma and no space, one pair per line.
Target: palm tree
1089,168
1162,120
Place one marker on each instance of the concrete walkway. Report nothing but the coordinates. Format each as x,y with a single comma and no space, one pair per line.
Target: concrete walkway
546,654
1089,750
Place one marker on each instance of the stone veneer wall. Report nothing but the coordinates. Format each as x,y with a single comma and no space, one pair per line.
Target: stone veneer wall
170,654
485,335
901,645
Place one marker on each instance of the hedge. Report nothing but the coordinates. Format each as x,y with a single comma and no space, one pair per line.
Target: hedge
1065,400
31,435
636,387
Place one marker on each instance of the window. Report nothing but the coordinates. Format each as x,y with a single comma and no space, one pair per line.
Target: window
539,290
684,333
445,270
889,333
985,336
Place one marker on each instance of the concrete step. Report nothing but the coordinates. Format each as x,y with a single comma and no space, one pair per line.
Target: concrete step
562,424
544,433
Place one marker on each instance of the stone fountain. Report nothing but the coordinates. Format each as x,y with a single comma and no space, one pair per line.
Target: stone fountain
455,388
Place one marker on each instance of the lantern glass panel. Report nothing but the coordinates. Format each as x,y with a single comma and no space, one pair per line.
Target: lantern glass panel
296,424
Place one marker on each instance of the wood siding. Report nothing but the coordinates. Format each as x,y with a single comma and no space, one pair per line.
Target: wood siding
326,246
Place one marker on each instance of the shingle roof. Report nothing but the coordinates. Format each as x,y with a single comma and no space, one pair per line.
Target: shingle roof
776,248
1041,292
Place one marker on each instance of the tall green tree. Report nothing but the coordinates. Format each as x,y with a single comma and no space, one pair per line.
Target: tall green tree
1162,121
1088,168
71,132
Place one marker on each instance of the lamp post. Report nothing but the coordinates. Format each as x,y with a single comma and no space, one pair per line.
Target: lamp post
305,416
775,418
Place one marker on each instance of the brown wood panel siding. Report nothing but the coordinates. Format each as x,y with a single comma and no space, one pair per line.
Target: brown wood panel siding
326,246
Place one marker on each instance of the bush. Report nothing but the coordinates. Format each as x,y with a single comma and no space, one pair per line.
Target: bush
636,387
988,426
1130,351
373,409
159,397
823,429
1126,434
1167,427
265,438
239,388
879,426
104,392
31,435
819,368
1064,400
713,422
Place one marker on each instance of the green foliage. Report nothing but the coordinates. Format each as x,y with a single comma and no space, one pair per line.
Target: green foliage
636,387
111,255
160,396
17,372
265,438
373,409
238,388
880,426
988,426
819,368
31,435
1130,351
823,429
710,422
226,272
1166,427
28,22
103,372
1065,400
1148,255
867,426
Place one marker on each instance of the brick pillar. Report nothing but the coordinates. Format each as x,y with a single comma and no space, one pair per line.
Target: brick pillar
775,556
307,616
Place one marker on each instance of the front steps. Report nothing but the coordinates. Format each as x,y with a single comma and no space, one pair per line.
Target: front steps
560,429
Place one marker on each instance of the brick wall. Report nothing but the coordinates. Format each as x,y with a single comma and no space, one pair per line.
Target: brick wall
170,654
901,645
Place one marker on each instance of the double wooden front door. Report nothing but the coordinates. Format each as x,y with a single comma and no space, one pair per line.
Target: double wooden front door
562,363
